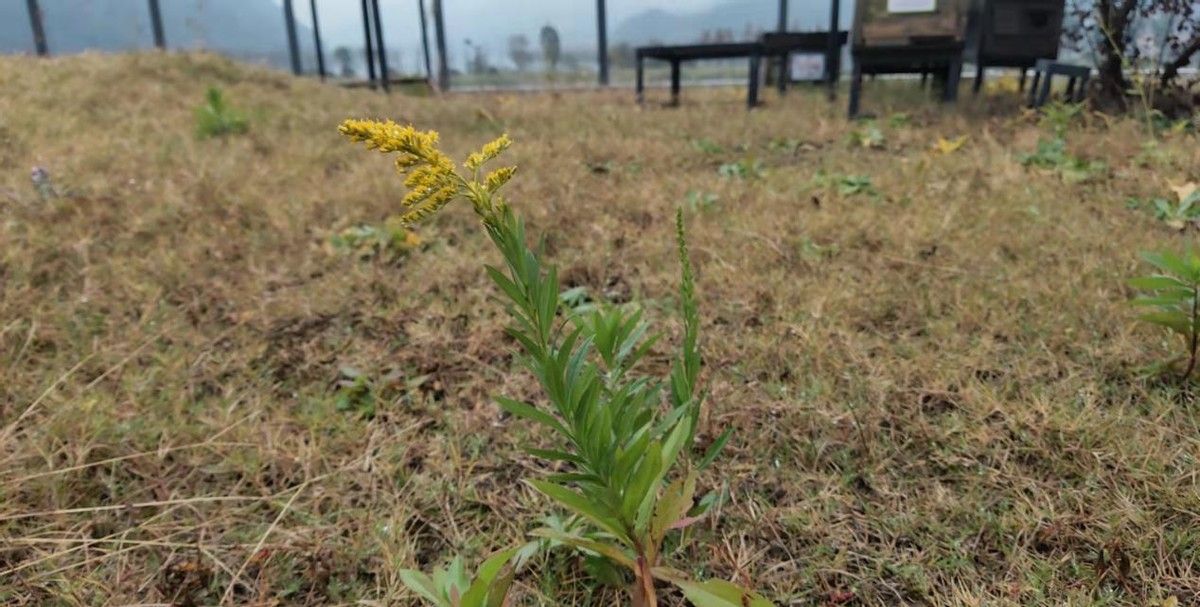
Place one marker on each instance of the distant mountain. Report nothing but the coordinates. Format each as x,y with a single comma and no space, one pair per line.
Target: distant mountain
738,17
247,28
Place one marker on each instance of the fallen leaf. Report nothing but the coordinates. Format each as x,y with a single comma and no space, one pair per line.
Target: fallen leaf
1185,190
949,146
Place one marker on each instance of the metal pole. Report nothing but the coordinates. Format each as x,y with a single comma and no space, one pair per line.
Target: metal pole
602,40
783,16
156,24
425,42
289,19
312,5
439,32
369,48
833,54
384,75
39,32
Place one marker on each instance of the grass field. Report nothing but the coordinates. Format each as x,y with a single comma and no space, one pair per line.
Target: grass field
937,385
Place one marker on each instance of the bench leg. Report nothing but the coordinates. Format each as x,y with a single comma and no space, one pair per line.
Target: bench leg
1021,82
675,82
978,84
752,90
924,80
953,76
1081,92
1043,91
1033,88
781,86
1071,88
855,90
640,86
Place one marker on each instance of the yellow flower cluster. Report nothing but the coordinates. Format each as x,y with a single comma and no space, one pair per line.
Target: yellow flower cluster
431,179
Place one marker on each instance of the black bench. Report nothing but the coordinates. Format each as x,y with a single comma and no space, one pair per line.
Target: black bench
784,44
694,52
928,57
1046,69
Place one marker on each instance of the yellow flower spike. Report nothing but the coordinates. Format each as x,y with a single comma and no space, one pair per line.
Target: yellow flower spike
430,175
489,151
432,204
497,178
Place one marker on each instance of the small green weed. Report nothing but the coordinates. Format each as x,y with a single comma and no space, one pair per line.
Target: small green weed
1051,154
1178,214
215,118
700,201
746,168
1173,295
1058,117
707,146
868,136
390,241
846,185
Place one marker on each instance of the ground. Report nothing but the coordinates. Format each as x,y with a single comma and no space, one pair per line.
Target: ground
939,392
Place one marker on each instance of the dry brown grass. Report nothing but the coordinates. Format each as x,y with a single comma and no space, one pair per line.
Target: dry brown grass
936,392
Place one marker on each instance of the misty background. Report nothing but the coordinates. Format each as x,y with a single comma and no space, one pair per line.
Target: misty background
488,42
482,36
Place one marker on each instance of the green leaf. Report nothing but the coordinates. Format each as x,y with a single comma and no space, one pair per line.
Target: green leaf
598,514
609,551
1170,263
674,504
715,449
1172,320
424,586
479,591
719,593
1163,301
642,485
1157,283
529,412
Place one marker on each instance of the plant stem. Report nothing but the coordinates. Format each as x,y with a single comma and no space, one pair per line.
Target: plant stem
643,585
1195,334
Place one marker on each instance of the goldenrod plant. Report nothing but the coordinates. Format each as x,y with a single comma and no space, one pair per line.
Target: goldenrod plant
1173,295
631,468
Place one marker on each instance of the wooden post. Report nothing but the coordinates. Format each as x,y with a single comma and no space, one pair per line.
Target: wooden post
289,19
156,24
602,40
39,32
384,76
833,53
439,32
783,16
368,47
425,42
312,5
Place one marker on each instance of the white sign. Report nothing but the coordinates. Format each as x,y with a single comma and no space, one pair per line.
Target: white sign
808,67
911,6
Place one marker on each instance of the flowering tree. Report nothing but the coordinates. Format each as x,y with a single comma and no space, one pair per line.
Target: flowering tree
1111,30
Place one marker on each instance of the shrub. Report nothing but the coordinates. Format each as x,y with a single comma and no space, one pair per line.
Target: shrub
631,467
215,118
